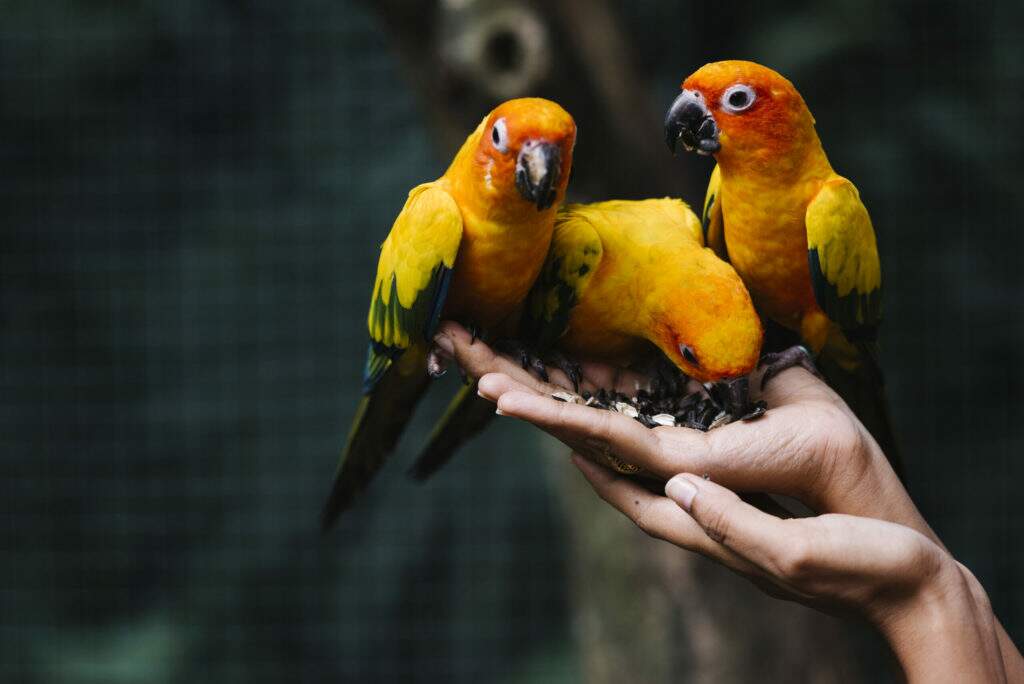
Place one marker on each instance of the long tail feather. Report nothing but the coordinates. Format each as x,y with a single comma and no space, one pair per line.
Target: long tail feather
380,419
863,389
466,416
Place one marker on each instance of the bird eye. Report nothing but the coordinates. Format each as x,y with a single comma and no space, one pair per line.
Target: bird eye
688,355
499,136
738,98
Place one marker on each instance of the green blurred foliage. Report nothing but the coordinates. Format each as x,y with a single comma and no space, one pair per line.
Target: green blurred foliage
193,196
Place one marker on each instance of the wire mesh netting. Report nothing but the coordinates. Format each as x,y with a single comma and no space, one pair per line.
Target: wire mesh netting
194,195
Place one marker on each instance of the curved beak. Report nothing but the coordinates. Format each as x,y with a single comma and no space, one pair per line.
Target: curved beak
689,120
538,168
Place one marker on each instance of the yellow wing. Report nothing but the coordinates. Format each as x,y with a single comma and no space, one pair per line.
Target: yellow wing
574,256
413,275
711,221
843,257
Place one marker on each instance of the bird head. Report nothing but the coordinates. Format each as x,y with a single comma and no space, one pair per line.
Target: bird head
708,326
525,151
738,110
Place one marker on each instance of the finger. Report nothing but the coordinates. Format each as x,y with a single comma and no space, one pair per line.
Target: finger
776,546
657,516
492,385
599,430
479,359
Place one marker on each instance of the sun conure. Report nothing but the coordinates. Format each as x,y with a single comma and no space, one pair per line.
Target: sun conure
796,231
624,282
467,247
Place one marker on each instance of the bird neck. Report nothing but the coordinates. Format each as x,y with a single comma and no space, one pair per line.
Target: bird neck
776,163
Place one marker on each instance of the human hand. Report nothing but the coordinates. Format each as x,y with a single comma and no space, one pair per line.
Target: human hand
808,446
932,612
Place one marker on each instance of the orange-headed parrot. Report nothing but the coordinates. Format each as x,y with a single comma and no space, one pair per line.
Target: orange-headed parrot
626,281
796,231
467,247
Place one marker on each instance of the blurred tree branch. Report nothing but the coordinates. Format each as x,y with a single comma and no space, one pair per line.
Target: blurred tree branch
465,56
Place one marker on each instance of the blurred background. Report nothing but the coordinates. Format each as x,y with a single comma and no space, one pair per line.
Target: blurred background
194,193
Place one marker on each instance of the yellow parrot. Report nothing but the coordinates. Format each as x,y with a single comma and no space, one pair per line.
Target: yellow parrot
796,231
467,247
625,282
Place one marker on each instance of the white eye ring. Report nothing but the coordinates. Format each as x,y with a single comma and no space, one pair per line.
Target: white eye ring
738,98
499,136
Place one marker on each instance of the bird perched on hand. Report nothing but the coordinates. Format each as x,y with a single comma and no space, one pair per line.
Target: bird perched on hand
796,231
626,281
468,247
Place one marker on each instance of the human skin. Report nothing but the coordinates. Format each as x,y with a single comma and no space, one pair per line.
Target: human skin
868,551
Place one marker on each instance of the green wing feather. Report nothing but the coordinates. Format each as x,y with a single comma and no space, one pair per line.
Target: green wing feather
847,280
711,221
413,276
574,257
843,257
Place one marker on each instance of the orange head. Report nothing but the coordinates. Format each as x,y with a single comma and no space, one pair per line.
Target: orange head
707,324
525,151
739,110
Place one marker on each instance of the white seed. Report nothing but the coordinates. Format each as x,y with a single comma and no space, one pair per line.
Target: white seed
666,419
626,409
569,397
721,419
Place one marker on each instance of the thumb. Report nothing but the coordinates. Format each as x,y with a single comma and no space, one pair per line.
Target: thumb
726,518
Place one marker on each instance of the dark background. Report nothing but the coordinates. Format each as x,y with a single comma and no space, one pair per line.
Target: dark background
193,194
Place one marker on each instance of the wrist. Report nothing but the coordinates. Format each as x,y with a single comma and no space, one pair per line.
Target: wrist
934,630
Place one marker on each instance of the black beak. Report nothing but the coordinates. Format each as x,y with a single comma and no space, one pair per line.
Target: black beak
689,120
537,170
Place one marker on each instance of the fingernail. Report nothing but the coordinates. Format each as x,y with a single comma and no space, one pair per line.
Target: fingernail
681,490
445,344
499,412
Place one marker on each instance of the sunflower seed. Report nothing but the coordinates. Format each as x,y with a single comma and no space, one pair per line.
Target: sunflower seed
721,419
626,409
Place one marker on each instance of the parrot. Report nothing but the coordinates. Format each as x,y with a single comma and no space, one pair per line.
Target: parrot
626,282
795,230
467,247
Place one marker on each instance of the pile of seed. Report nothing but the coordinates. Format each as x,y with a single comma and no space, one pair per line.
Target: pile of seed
702,410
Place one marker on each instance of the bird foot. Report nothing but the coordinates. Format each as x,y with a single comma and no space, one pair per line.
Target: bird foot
733,396
570,367
527,358
475,332
776,362
437,365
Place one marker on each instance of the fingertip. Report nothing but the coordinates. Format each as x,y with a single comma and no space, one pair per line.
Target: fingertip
490,386
702,486
451,329
682,490
580,462
514,402
593,472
